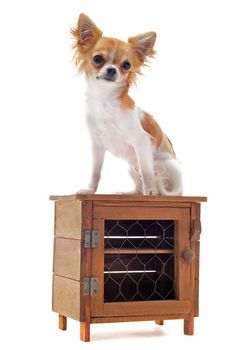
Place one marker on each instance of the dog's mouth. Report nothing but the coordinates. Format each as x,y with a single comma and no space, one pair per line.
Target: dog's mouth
107,78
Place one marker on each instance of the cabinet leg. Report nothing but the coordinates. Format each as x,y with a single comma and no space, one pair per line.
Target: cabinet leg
85,331
159,322
189,326
62,322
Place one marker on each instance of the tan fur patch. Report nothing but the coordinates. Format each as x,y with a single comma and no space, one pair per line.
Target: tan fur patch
160,140
88,39
122,51
126,101
166,146
152,128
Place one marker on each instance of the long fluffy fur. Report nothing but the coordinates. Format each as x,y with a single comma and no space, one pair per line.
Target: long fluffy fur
115,122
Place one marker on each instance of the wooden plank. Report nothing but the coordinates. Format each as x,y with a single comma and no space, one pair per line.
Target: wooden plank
197,258
176,260
62,197
138,251
97,302
68,219
67,258
86,258
182,267
195,246
66,297
132,203
137,318
131,197
146,308
137,213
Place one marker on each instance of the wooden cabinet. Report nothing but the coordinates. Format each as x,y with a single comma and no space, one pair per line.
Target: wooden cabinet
126,258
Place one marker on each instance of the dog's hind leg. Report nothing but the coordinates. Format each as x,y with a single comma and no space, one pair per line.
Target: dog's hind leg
136,177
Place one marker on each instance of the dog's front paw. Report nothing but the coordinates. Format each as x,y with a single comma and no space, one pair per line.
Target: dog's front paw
151,191
85,191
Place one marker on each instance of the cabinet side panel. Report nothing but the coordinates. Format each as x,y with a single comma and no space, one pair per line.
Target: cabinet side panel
68,219
67,258
66,297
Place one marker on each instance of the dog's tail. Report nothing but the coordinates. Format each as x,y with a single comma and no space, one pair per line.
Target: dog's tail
172,185
166,192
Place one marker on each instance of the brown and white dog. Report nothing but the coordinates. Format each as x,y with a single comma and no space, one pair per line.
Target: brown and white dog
115,122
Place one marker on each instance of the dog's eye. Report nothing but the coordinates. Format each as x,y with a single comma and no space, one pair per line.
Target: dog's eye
98,59
126,65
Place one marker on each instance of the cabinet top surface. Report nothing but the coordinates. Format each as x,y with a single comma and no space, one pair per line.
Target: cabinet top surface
131,197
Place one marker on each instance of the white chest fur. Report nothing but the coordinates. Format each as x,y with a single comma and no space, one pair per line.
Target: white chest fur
120,131
108,123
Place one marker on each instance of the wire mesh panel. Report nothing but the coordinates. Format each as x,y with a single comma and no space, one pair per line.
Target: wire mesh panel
139,260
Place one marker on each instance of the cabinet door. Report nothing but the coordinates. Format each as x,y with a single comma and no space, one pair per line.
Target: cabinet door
139,261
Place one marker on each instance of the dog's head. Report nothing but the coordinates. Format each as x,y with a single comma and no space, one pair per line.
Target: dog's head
109,60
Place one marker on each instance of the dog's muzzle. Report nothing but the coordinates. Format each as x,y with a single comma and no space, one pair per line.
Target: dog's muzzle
110,74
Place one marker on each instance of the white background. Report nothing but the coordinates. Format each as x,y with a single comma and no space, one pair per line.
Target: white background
45,150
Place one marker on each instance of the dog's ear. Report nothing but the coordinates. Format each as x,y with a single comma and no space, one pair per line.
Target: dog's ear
86,33
142,45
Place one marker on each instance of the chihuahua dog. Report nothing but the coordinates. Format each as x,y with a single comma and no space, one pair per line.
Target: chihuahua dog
115,122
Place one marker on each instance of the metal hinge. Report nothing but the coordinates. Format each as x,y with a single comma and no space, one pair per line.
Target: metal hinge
91,239
90,286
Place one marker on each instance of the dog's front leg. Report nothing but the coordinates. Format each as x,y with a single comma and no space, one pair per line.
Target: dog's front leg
97,163
143,151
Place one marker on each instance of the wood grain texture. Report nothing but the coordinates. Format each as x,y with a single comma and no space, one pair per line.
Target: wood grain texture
136,318
131,197
68,219
86,256
195,246
142,213
182,267
132,203
140,308
67,255
97,302
66,297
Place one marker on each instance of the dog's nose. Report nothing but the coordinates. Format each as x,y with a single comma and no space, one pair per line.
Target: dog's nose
111,71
